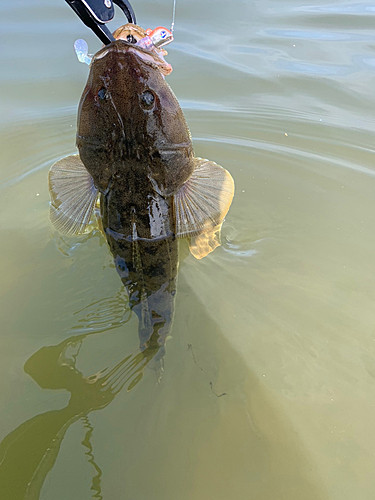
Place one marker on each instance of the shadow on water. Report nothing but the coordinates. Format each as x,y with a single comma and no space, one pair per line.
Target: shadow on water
250,448
248,435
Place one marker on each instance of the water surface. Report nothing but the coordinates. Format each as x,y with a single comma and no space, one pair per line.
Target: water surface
268,387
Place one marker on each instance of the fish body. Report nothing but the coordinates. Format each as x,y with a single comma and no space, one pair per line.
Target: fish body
136,154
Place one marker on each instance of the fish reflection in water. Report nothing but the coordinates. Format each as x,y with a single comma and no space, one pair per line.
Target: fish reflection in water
30,451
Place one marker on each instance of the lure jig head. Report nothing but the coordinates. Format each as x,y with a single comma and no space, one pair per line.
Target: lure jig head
156,38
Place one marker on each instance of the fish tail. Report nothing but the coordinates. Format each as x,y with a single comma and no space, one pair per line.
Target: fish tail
155,315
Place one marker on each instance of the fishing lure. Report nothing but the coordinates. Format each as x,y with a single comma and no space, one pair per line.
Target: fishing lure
154,39
96,13
82,49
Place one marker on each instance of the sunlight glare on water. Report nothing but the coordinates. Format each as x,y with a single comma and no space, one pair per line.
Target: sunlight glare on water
268,386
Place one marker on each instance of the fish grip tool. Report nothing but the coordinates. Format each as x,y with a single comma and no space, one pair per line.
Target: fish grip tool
96,13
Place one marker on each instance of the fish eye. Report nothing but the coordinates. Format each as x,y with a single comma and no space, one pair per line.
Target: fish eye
147,99
102,94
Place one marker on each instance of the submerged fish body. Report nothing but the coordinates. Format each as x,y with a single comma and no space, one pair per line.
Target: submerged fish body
136,154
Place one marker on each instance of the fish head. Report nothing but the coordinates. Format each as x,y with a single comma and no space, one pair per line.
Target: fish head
129,120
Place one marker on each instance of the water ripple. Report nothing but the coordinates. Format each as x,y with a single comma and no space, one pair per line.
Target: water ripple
340,8
320,35
286,150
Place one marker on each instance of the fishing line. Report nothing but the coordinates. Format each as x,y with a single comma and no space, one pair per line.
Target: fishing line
173,15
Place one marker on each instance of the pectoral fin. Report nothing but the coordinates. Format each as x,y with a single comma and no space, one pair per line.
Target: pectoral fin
73,195
201,205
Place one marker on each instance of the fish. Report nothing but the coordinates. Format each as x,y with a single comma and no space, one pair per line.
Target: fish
136,161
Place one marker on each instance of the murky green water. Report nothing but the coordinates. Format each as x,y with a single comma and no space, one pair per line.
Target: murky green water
268,389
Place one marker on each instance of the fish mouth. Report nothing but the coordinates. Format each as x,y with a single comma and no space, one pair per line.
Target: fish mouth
150,57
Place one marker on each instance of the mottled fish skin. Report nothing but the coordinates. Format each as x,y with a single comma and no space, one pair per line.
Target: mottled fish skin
139,154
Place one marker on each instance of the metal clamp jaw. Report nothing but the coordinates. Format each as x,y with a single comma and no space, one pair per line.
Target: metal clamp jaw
96,13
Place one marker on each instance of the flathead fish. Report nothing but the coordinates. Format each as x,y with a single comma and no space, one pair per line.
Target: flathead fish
136,156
